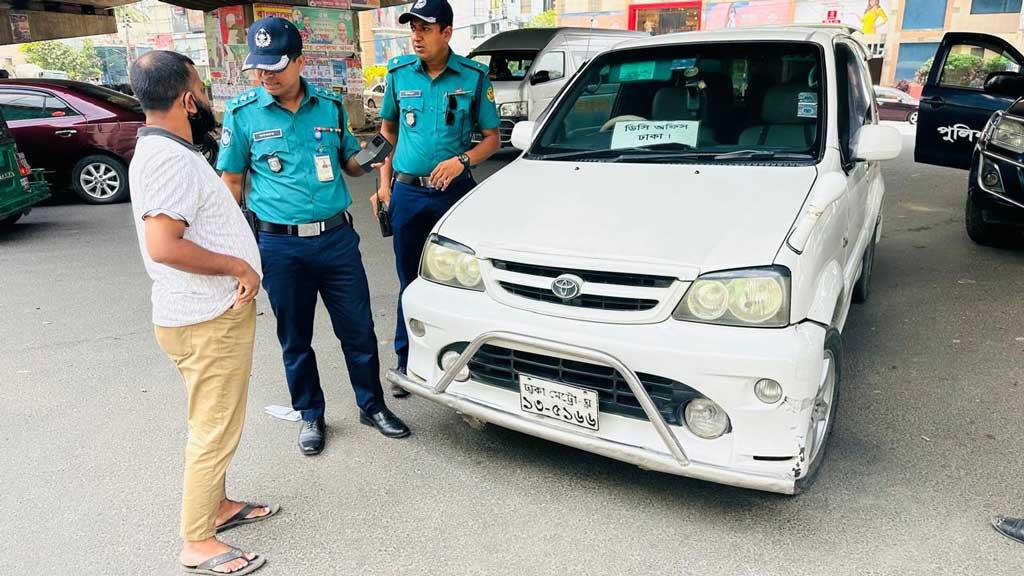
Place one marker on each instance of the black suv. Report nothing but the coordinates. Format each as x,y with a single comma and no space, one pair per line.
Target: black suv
972,117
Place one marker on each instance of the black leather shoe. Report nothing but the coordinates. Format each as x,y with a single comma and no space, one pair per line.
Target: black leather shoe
312,436
1012,528
396,390
386,423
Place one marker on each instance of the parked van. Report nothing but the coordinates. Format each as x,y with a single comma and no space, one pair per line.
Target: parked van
529,66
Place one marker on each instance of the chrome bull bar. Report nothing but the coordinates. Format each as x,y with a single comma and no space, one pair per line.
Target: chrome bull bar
674,461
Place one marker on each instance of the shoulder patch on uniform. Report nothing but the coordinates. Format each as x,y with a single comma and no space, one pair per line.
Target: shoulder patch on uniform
470,63
239,101
399,61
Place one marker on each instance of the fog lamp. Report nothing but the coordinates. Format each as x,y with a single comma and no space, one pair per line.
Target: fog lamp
448,359
705,418
768,391
417,328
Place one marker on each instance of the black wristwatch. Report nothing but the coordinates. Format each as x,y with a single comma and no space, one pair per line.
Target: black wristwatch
464,158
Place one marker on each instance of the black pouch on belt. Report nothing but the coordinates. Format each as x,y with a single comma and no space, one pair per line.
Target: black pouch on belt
384,220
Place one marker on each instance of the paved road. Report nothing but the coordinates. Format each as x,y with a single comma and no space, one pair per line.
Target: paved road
92,429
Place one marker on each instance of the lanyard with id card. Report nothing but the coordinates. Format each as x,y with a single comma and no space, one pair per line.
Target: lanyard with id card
322,161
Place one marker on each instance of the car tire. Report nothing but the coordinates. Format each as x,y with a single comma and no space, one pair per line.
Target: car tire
862,288
981,232
100,179
912,117
11,220
833,350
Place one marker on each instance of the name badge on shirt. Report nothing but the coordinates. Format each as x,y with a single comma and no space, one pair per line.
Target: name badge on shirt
324,168
267,135
409,94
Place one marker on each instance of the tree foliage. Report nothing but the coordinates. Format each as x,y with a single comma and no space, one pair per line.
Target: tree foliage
965,69
545,19
80,63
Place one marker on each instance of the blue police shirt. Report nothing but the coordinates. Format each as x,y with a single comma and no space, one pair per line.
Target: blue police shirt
436,117
279,149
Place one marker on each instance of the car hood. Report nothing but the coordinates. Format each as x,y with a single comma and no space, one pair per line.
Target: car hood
674,220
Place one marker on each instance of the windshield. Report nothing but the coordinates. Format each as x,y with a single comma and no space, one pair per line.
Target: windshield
506,66
724,102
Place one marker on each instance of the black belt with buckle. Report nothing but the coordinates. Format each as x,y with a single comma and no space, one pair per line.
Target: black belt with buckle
307,230
424,181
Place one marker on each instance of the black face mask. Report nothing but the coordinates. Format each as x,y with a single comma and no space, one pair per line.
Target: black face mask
202,121
203,124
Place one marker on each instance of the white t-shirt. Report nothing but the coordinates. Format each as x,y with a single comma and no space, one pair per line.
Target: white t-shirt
169,176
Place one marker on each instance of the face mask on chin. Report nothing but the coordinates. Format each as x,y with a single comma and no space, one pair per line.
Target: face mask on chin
202,121
203,124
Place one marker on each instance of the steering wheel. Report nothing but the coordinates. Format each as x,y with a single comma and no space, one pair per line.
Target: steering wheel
624,118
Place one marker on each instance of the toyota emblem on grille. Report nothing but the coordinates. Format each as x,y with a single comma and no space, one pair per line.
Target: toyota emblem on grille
567,286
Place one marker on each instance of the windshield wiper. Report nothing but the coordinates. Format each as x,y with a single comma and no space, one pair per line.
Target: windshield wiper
615,153
760,155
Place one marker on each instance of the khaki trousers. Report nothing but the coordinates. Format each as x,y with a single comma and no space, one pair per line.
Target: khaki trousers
214,359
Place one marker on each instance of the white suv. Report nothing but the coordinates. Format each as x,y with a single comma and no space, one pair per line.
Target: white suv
663,276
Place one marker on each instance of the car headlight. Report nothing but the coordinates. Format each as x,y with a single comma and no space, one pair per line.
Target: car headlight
514,109
450,263
1009,133
755,297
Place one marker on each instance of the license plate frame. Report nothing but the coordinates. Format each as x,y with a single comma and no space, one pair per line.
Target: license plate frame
566,403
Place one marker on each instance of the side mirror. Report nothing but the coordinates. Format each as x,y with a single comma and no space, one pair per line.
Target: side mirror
875,142
522,134
1009,84
540,77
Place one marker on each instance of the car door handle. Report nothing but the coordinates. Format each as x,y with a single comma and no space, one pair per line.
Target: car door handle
66,133
934,101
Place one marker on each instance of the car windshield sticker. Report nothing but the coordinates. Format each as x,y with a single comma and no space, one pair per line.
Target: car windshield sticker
628,134
807,105
636,71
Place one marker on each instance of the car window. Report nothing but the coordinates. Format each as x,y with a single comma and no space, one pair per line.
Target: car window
553,63
683,97
57,108
969,65
506,66
23,106
109,96
854,99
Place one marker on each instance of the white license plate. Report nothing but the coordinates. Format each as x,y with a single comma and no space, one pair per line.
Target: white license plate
570,404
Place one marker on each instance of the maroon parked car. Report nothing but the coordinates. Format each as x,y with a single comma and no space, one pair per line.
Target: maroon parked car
895,105
83,134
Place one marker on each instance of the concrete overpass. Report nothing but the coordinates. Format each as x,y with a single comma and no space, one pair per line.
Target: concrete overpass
33,21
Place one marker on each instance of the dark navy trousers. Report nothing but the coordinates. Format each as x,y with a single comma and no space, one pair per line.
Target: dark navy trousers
414,211
295,271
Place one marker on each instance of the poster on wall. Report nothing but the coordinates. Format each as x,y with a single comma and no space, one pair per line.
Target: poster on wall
871,16
225,39
665,18
743,13
328,37
20,27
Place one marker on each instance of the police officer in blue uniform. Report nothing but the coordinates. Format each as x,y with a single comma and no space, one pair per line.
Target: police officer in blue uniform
434,101
292,138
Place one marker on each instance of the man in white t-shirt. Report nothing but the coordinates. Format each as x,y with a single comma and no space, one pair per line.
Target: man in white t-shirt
202,257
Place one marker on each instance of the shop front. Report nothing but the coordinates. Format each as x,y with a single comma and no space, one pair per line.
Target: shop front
665,17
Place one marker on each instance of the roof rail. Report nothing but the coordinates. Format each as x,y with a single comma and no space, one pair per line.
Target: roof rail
847,28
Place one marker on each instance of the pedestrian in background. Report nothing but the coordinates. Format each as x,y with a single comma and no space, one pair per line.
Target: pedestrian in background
203,261
293,139
433,102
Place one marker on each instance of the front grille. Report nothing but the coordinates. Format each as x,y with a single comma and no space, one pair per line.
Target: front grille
616,278
616,303
499,366
505,130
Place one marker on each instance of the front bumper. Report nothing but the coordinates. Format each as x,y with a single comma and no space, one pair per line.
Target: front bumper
38,190
763,449
1005,206
505,126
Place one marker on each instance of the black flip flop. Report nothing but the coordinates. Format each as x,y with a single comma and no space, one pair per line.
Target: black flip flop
207,567
240,517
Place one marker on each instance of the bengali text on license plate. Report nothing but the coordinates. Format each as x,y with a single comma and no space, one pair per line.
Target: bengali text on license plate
566,403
